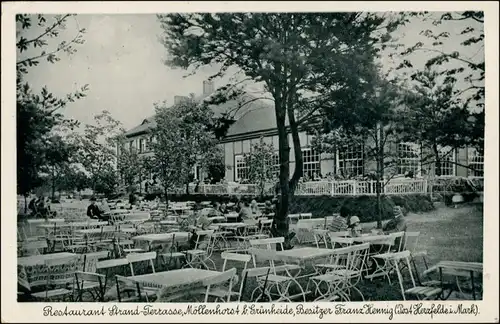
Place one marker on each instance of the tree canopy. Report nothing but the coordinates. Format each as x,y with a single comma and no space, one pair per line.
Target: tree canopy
302,60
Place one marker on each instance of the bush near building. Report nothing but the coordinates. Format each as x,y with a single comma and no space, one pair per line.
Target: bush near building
320,206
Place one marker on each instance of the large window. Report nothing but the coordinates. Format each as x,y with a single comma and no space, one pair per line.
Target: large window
142,145
350,161
276,165
408,158
447,159
476,162
240,168
312,164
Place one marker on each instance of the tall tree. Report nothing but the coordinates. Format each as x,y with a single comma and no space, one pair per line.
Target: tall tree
371,124
261,163
439,121
97,149
129,165
38,38
460,72
302,59
182,139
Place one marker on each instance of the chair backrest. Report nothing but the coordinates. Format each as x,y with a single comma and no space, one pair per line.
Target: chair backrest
267,242
266,225
306,215
34,247
339,242
244,258
340,234
219,280
81,277
204,240
399,240
320,237
411,241
139,257
264,255
123,283
353,258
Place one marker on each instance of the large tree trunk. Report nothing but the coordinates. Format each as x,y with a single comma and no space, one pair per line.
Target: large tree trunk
437,166
53,193
299,163
284,159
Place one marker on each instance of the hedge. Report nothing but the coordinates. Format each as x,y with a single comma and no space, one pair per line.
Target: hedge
320,206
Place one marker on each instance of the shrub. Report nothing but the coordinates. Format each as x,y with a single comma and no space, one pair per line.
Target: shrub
365,207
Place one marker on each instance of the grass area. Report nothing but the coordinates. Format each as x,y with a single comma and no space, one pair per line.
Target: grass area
454,234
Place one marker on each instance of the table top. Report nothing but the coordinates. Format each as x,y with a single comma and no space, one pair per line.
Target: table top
304,253
175,277
73,224
162,237
457,265
40,259
231,224
96,230
50,220
372,238
117,212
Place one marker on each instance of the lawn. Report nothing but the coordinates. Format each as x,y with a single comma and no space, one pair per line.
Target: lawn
454,234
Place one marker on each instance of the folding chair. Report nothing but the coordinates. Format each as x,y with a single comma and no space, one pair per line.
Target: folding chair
276,282
221,284
221,293
305,229
343,275
33,248
169,252
336,243
133,289
420,292
60,273
202,252
320,237
140,257
90,282
411,241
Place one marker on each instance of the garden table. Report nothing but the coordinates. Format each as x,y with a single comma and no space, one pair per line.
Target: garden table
457,268
31,270
180,277
379,244
152,239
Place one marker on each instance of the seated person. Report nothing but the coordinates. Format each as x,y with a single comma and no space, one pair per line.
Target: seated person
339,222
355,226
397,223
93,210
254,207
223,209
104,206
268,209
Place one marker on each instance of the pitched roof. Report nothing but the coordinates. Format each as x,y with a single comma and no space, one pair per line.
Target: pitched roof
255,116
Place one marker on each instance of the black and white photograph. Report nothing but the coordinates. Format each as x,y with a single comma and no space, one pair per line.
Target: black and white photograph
248,157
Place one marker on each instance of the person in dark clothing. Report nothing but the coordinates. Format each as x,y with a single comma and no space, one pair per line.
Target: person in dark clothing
93,210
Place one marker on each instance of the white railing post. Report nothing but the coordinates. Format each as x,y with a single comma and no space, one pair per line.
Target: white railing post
332,189
354,189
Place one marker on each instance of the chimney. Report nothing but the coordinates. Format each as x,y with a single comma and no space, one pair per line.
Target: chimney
179,99
208,88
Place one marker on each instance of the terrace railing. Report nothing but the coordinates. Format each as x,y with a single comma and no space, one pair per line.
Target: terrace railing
326,188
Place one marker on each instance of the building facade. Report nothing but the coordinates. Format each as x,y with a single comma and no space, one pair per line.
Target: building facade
257,121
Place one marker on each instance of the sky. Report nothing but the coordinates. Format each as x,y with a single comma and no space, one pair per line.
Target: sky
122,61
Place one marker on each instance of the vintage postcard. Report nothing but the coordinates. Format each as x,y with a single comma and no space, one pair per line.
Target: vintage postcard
249,161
